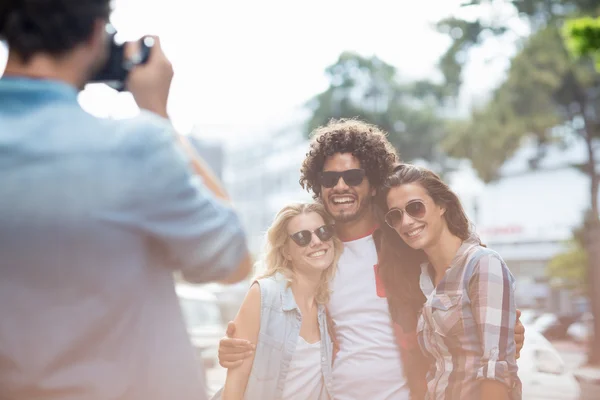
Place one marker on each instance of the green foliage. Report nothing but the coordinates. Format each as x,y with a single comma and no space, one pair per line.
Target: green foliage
571,266
369,88
549,95
525,104
488,139
545,89
583,37
466,34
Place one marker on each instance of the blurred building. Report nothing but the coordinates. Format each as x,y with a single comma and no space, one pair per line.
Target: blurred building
529,214
211,151
262,176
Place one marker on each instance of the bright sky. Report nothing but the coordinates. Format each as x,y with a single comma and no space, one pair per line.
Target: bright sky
244,66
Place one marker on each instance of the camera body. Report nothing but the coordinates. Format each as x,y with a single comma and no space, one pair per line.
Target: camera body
116,68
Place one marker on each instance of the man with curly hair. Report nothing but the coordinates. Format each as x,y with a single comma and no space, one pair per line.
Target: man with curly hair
378,355
352,150
95,217
346,163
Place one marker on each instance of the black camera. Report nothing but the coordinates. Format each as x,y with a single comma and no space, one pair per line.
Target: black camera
116,69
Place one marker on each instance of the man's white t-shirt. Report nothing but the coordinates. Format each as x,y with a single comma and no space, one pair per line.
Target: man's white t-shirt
368,364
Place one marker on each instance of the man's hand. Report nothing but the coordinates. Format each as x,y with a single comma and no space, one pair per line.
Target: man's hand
150,83
519,334
233,352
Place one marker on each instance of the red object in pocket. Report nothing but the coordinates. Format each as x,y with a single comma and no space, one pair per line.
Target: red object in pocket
378,283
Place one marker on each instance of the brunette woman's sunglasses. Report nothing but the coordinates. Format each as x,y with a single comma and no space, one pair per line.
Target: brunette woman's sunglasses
415,209
304,237
352,177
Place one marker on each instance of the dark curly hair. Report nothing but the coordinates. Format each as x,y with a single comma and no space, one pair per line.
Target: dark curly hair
49,26
364,141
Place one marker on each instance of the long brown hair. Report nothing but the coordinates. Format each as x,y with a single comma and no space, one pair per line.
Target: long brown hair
399,264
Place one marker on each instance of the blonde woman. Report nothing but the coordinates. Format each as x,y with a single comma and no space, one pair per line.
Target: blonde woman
284,312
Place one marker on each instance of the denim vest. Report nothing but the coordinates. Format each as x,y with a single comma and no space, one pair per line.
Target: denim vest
280,323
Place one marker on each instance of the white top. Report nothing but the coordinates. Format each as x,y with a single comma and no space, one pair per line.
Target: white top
304,380
368,364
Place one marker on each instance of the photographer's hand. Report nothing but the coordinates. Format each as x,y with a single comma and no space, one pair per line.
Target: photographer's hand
150,83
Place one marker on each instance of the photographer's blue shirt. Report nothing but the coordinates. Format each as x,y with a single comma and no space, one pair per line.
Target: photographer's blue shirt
95,216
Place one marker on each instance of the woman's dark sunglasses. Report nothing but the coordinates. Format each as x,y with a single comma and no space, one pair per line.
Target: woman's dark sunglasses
415,209
352,177
304,237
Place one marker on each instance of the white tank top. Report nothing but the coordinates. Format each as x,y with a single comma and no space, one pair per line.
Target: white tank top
304,380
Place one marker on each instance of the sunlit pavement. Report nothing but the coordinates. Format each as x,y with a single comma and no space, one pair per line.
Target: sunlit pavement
573,355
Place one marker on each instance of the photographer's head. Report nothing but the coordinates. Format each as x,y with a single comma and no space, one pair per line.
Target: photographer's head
55,39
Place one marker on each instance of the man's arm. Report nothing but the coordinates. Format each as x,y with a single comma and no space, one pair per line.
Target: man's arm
232,351
203,170
209,179
201,236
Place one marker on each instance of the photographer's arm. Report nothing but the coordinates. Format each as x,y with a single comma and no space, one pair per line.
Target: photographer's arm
202,236
212,183
203,170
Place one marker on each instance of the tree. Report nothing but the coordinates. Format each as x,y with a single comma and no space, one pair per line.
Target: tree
369,88
547,94
583,37
571,266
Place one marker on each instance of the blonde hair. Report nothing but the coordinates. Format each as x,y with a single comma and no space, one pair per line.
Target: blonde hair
277,237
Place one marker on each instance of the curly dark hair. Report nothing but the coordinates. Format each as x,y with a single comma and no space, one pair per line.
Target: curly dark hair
49,26
364,141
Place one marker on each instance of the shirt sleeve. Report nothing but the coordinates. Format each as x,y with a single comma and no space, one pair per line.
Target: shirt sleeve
491,290
201,236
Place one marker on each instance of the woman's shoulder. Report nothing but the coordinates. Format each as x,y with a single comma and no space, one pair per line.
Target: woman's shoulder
273,282
271,288
485,260
481,252
484,254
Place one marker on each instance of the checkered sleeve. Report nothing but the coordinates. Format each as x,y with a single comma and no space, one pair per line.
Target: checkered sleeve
491,290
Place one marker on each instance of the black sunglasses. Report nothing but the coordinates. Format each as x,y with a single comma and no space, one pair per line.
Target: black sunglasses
415,209
303,238
352,177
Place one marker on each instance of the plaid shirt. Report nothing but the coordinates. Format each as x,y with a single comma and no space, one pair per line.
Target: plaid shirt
467,325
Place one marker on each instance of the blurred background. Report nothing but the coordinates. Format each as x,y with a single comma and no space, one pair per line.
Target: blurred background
500,97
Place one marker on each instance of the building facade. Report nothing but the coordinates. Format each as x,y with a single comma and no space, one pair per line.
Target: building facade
263,176
528,215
